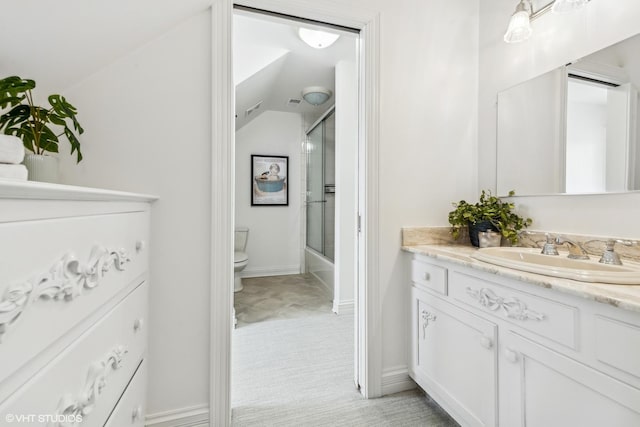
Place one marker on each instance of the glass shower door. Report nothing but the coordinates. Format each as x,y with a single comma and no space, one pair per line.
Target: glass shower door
315,188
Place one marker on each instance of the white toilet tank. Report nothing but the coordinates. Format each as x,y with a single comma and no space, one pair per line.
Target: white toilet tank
241,238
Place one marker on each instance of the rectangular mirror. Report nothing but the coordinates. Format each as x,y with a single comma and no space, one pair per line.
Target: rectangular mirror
575,129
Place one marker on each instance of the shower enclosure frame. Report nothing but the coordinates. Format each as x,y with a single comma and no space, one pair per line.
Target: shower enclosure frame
319,198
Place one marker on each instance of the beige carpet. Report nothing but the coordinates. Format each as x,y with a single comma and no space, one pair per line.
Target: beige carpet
298,372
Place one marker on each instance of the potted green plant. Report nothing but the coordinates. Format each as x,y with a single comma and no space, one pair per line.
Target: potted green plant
489,213
35,125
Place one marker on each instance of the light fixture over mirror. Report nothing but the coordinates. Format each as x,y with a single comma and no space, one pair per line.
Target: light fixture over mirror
520,23
317,39
316,95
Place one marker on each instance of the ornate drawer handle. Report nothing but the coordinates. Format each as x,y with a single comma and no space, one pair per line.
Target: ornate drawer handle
82,403
426,318
63,282
513,308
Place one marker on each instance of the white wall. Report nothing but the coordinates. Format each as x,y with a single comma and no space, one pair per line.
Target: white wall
147,118
274,238
135,110
346,185
557,40
428,132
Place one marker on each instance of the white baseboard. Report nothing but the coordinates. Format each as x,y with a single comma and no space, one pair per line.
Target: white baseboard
395,380
194,416
343,307
270,271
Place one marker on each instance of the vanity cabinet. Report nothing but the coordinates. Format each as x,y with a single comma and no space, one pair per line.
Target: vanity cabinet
446,336
541,387
493,350
73,305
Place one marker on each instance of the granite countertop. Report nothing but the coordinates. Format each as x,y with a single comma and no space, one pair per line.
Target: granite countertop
626,297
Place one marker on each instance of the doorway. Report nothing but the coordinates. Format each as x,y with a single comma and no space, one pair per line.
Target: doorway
368,345
286,85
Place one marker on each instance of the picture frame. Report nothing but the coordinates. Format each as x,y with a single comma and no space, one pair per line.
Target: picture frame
269,180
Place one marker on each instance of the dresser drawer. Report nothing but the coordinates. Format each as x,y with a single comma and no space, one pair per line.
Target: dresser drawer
617,344
89,377
131,409
62,271
549,319
429,276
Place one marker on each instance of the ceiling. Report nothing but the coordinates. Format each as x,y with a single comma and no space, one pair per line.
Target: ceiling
272,65
60,42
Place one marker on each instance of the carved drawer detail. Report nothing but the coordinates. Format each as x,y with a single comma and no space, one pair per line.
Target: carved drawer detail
512,307
79,405
64,281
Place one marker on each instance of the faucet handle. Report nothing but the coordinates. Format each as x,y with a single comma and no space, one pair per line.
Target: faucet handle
609,256
549,247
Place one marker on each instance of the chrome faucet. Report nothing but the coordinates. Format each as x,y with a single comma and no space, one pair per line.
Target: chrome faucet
609,256
576,251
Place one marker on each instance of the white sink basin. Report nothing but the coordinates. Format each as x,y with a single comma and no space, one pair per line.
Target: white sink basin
532,261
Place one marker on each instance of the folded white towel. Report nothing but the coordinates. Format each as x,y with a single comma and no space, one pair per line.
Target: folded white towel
13,172
11,149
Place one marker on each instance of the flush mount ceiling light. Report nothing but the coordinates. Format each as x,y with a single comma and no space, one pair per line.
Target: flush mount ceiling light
520,24
317,39
561,6
316,95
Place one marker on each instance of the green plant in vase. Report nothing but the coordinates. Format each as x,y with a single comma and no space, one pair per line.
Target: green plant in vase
39,128
491,211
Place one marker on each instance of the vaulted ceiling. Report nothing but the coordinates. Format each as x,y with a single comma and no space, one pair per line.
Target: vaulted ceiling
272,65
60,42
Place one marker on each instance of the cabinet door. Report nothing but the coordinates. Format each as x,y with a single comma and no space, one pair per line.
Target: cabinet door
454,359
542,388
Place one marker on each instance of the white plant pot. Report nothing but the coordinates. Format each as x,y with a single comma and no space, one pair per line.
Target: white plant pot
41,168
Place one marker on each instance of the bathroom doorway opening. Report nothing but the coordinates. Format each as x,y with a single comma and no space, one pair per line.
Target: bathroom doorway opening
315,231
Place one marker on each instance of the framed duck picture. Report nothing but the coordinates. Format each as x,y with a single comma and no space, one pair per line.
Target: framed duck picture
269,184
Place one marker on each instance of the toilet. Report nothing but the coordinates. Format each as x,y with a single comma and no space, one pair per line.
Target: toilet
240,257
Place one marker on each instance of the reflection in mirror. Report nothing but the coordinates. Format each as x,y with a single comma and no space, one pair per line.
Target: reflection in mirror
575,129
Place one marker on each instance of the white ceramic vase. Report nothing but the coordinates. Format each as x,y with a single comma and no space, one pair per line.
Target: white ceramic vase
41,168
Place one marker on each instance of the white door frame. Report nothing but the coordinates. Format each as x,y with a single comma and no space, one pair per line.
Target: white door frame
222,189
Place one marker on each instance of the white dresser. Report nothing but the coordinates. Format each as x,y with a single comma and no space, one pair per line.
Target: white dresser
73,305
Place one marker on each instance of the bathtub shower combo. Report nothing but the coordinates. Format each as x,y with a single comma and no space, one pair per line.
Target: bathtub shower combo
320,199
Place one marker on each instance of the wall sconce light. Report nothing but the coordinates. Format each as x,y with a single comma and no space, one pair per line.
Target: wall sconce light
316,95
520,24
